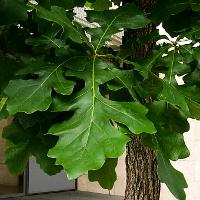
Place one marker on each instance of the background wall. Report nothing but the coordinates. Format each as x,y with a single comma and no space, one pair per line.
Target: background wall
190,167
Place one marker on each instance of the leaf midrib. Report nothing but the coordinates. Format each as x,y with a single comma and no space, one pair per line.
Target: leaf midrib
93,98
101,38
48,38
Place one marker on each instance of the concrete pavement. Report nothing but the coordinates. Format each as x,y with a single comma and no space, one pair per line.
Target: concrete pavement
70,195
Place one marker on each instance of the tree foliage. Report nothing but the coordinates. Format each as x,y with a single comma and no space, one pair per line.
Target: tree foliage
75,107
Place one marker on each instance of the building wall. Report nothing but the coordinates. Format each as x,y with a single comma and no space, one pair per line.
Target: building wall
190,167
5,177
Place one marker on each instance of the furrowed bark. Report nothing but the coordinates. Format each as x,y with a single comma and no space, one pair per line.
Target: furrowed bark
141,166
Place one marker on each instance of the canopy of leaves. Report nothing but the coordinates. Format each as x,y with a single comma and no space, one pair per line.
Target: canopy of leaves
69,93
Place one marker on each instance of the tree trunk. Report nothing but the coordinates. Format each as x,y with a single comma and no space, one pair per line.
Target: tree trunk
141,167
142,181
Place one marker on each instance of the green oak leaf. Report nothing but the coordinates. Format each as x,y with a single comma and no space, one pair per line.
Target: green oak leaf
2,103
116,2
151,86
154,58
171,7
172,95
171,92
113,21
184,96
26,142
193,77
45,40
194,108
168,144
174,179
68,4
35,94
58,16
48,39
167,174
192,98
195,5
194,32
89,137
4,114
173,145
170,124
106,175
115,85
100,5
8,73
17,157
12,11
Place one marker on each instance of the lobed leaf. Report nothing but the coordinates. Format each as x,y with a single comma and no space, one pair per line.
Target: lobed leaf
35,95
113,21
26,142
168,144
89,137
12,11
170,124
58,16
163,9
174,179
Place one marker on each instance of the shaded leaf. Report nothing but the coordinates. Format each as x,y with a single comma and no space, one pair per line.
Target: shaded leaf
194,108
106,175
112,21
68,4
35,94
163,9
58,16
100,5
170,124
23,144
48,39
195,4
12,11
6,72
171,92
174,96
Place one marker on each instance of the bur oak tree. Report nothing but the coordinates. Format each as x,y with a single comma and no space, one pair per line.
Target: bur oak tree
76,101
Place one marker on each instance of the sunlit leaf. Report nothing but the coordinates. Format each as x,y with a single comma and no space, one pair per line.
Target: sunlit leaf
90,133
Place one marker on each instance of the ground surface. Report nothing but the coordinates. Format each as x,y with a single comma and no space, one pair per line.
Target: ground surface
72,195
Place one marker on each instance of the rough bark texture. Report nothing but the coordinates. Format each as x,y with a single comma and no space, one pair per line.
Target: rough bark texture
142,180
